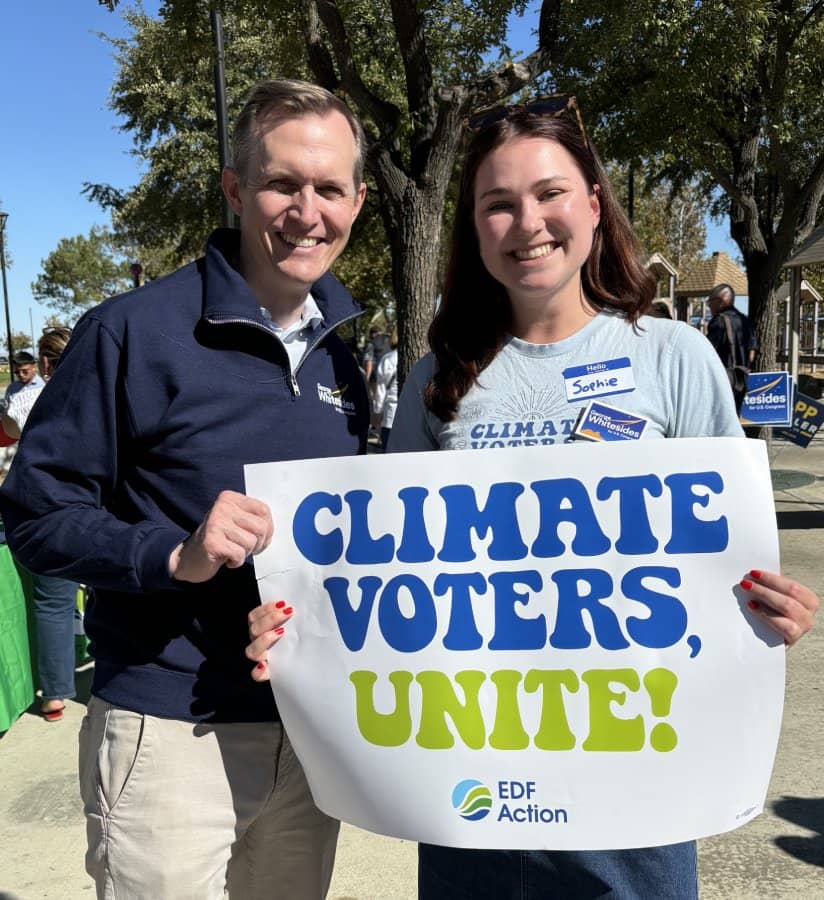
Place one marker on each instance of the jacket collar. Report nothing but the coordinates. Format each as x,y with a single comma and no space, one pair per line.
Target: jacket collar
228,296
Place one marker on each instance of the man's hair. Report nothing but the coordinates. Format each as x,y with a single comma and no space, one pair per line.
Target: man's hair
718,290
286,98
475,313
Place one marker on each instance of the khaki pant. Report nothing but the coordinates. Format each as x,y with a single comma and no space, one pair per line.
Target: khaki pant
183,811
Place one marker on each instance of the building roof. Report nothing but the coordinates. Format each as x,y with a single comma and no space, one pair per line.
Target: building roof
661,265
706,274
811,251
808,292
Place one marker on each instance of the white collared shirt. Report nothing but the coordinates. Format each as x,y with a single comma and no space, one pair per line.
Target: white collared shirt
297,337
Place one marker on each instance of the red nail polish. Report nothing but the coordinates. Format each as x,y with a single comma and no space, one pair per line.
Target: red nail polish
288,611
261,665
280,604
753,604
279,630
746,584
756,573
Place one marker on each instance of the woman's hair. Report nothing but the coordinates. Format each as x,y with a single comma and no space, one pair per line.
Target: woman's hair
475,314
52,343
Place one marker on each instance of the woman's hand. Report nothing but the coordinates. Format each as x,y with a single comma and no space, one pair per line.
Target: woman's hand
784,604
266,628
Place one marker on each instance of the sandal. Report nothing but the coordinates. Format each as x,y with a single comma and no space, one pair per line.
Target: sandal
53,715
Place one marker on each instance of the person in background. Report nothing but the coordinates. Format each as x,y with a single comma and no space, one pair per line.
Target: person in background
741,352
385,399
660,309
54,599
129,478
376,347
24,367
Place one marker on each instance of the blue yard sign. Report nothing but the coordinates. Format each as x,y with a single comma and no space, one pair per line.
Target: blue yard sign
769,399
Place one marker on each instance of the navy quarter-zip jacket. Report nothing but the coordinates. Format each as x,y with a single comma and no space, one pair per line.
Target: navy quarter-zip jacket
161,397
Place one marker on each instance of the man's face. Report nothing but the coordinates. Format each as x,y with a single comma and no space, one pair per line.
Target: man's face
25,371
299,201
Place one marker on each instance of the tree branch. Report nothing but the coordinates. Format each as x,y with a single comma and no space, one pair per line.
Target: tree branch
512,76
409,29
813,11
320,60
809,198
385,115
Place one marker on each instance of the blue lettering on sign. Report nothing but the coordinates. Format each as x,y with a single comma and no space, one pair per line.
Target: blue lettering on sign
597,385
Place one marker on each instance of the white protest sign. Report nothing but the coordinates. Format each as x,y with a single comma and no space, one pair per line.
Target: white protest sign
532,647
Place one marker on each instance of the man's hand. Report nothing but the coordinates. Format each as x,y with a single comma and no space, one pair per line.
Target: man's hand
236,526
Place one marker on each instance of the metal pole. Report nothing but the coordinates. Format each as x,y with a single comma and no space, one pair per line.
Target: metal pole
226,218
3,217
795,317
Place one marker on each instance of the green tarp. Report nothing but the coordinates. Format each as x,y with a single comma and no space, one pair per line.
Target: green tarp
16,679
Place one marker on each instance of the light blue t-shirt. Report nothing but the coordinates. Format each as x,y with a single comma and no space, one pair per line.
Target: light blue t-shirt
521,399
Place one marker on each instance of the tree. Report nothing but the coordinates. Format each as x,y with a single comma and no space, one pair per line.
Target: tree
413,112
726,93
20,341
164,92
667,219
81,272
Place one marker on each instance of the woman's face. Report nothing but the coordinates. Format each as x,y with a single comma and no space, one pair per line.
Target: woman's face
535,216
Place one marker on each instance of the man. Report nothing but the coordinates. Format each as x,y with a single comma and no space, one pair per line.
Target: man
24,366
129,478
730,333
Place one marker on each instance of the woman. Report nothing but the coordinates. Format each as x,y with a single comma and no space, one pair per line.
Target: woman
55,600
385,400
544,274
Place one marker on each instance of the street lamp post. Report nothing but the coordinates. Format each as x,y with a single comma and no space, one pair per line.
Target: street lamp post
3,218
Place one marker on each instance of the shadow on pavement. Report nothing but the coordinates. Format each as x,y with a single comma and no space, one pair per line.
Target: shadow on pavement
801,519
808,812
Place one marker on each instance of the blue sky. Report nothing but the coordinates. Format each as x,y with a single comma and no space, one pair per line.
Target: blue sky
57,133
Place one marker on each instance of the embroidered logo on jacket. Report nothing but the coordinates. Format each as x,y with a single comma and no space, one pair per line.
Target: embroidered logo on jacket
335,398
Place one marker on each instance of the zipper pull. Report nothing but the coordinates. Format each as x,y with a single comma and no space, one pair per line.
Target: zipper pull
294,383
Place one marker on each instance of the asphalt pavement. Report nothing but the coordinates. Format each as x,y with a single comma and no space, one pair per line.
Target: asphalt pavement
778,856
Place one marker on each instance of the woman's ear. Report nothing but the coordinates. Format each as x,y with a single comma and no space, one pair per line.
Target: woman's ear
595,205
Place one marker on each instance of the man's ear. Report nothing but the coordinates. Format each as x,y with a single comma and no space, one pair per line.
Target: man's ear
360,196
230,183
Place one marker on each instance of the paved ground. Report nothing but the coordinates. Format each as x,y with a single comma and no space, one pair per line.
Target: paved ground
779,855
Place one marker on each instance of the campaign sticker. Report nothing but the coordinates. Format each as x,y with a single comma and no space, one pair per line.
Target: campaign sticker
769,399
600,379
808,417
599,422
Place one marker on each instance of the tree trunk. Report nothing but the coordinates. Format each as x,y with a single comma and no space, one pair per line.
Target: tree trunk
415,257
761,276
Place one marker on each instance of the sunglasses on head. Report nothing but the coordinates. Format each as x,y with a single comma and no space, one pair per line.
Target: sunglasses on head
550,106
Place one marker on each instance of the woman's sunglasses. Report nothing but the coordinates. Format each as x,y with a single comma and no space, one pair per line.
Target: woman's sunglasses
550,106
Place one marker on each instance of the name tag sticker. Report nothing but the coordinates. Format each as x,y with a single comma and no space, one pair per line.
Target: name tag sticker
599,422
600,379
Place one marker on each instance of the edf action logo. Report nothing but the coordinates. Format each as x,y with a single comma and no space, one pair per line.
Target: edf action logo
518,803
472,800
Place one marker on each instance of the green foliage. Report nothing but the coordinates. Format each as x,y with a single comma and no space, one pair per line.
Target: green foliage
667,219
729,92
19,341
80,272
